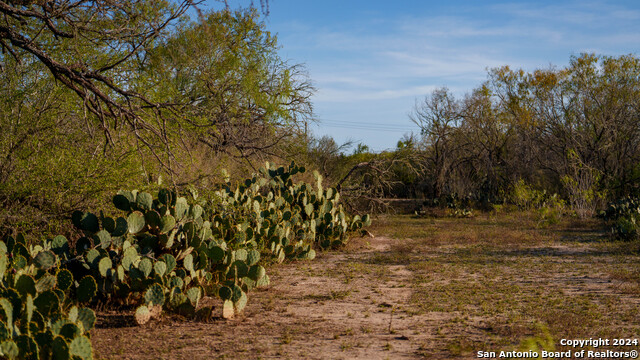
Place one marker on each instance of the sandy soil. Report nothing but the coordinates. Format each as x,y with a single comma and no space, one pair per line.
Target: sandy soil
312,310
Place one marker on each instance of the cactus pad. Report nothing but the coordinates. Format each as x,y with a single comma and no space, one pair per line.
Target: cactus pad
26,285
87,318
87,289
154,295
227,309
136,222
104,265
45,260
181,208
70,331
81,347
60,245
47,303
257,272
122,202
46,282
194,294
152,218
60,348
64,279
160,268
167,223
146,266
143,315
253,256
188,262
170,260
103,238
144,201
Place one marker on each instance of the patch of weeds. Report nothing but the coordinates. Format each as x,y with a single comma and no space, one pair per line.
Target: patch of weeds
460,346
317,297
339,294
391,258
286,337
345,345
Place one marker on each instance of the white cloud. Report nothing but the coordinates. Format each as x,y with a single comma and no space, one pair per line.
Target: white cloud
371,62
333,94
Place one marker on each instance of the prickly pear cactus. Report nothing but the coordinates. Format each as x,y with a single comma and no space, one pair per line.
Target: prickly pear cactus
164,252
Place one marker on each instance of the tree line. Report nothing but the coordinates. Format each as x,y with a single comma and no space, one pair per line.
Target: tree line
572,131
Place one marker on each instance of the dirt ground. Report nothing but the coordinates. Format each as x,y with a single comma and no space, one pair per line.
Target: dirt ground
421,288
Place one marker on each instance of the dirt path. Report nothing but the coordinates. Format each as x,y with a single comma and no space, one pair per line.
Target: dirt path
334,307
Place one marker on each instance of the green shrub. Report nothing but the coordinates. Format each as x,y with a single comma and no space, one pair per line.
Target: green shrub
625,215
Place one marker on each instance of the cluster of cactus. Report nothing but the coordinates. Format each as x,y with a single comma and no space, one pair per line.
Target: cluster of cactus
625,207
286,218
625,214
41,316
163,253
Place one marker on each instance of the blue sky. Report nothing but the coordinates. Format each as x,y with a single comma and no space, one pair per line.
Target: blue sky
372,60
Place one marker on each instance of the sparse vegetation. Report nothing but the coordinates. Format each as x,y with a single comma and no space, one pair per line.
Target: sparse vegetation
482,283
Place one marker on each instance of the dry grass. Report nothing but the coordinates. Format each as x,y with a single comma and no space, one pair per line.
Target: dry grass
422,288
